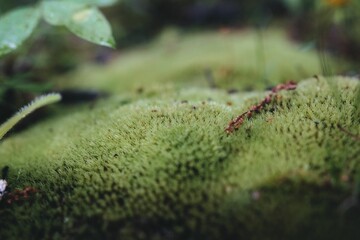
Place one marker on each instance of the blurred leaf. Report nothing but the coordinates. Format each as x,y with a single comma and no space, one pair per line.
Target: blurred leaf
84,21
294,5
16,27
100,3
308,46
91,25
57,13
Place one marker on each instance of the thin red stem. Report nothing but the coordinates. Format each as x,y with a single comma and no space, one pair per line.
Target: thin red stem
238,121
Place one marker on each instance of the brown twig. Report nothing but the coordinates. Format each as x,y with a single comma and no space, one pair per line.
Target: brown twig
238,121
353,136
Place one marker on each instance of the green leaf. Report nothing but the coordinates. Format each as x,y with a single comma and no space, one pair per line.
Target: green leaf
91,25
83,20
58,13
16,27
100,3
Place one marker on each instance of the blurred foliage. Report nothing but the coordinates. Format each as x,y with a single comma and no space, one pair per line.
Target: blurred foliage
27,70
227,61
333,24
82,18
328,23
140,19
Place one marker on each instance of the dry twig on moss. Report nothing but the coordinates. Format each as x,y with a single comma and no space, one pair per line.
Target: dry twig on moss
238,121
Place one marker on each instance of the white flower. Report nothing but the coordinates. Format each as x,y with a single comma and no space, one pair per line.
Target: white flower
3,185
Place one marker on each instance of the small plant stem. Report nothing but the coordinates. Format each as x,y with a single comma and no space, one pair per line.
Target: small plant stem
23,112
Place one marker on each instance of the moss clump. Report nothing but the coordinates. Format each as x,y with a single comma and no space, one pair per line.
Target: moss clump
226,61
165,169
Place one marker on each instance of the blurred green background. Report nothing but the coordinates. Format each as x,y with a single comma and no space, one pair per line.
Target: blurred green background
325,25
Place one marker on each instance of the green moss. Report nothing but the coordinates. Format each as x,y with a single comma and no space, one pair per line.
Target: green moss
178,60
164,168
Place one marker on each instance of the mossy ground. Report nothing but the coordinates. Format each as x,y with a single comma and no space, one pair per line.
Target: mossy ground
162,167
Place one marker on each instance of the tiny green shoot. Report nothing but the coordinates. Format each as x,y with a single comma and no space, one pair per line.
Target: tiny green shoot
26,110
